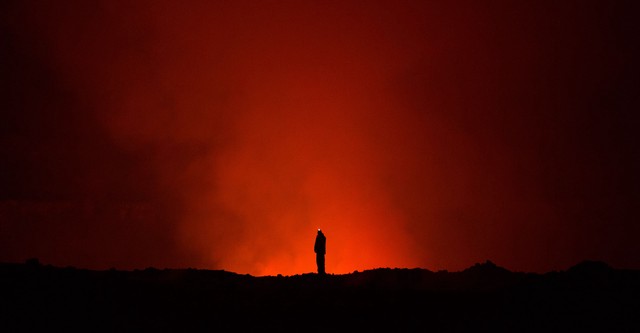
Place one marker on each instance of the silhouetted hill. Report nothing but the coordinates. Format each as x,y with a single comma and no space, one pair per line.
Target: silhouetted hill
590,296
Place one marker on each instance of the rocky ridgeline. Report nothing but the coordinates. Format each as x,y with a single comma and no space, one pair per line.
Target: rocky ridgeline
590,296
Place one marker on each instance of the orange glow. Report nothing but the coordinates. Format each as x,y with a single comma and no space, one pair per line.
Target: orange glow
222,134
304,161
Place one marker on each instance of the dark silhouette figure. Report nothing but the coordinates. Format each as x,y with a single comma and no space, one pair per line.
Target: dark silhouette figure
320,248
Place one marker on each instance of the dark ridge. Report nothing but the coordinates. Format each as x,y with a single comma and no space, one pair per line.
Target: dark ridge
588,297
590,266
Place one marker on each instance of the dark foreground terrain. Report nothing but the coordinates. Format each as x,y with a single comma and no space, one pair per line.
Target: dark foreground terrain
588,297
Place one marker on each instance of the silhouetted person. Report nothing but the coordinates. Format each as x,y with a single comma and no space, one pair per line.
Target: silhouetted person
320,248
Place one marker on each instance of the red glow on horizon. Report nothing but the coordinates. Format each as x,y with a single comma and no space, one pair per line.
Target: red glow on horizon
222,135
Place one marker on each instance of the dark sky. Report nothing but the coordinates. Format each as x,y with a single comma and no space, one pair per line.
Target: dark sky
221,135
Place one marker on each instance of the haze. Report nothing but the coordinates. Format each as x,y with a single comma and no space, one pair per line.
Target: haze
221,135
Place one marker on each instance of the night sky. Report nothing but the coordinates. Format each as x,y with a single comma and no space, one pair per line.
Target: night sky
223,134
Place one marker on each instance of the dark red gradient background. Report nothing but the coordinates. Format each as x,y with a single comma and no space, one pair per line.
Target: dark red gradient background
222,134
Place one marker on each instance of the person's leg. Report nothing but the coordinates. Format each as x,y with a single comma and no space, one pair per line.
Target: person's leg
320,261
